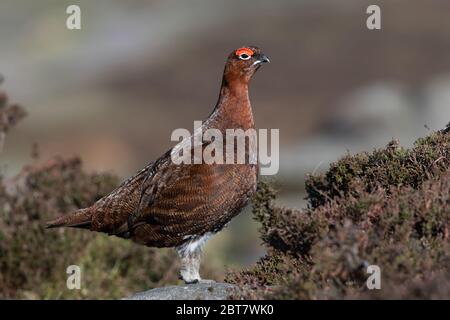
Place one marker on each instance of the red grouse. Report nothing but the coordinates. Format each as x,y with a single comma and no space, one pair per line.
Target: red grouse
182,205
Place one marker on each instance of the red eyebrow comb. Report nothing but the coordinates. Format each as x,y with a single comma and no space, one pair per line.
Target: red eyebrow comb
244,50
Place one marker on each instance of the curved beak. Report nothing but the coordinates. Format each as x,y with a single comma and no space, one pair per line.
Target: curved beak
261,58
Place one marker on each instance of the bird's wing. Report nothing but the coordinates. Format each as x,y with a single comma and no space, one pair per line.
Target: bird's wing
151,181
193,199
162,174
177,201
133,193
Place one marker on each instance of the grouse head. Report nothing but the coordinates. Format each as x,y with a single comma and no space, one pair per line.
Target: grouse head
242,64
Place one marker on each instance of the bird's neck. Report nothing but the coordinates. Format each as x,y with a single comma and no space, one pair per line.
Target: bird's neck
233,108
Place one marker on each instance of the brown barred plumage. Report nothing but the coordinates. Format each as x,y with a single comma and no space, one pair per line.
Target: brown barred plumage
170,205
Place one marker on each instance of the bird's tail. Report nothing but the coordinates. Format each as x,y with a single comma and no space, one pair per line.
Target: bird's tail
79,219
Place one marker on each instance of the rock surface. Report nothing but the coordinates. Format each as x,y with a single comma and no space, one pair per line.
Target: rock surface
199,291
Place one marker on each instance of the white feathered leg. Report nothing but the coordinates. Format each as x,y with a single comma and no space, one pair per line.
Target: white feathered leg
191,254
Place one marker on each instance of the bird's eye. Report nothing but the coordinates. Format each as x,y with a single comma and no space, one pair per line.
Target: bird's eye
244,56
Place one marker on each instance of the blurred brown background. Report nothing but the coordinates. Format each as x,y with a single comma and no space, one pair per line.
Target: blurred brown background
113,92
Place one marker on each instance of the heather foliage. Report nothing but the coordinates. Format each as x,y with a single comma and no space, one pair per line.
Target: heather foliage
33,260
389,208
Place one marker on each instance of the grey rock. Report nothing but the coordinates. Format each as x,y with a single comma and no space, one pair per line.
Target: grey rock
198,291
